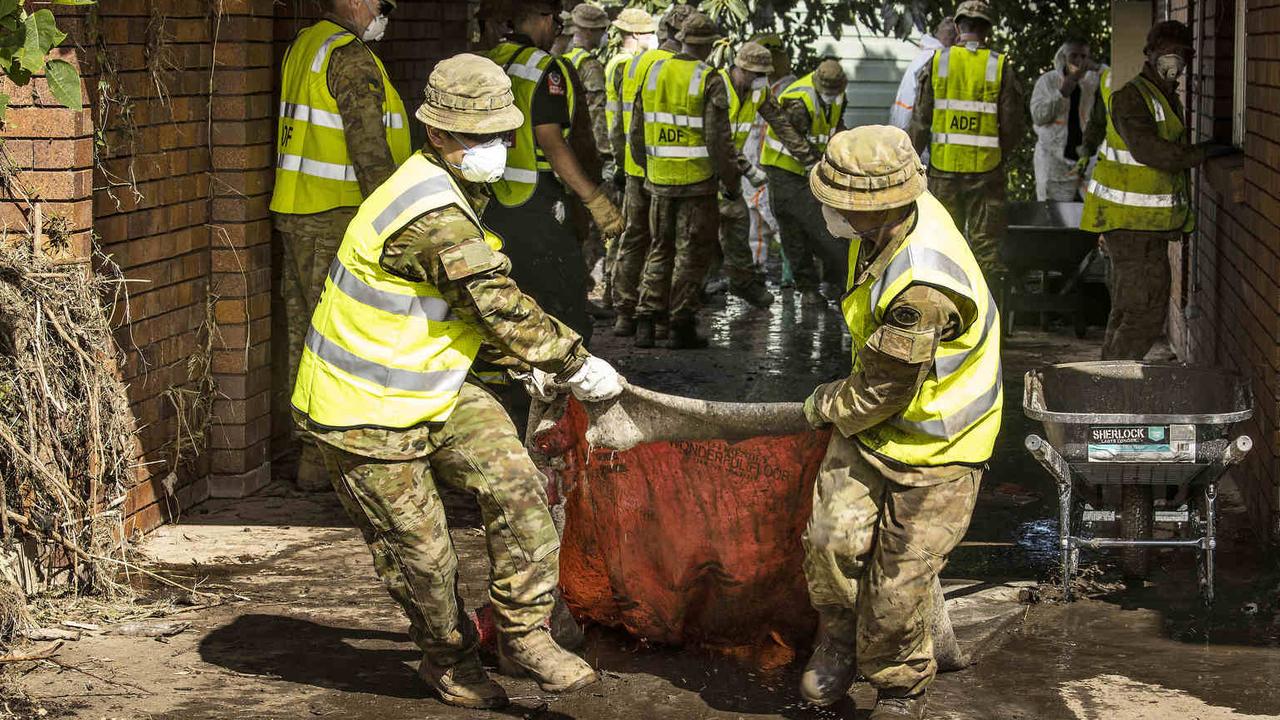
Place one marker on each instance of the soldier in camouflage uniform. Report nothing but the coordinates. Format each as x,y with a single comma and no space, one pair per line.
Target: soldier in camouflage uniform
633,246
357,84
914,424
589,25
390,433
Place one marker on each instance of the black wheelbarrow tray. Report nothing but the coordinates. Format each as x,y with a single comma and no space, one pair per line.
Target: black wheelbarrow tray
1139,426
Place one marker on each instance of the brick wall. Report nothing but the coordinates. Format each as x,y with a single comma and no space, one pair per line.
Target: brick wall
1231,269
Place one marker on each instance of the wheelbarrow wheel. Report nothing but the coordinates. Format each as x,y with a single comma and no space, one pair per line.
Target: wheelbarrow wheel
1137,514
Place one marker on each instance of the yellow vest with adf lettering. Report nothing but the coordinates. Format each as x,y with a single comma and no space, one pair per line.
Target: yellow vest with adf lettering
966,111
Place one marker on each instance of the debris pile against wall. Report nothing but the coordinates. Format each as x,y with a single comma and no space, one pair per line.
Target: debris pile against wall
67,445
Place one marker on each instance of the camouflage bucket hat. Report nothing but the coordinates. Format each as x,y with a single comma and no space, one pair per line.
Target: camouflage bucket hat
636,21
830,77
976,9
754,57
590,17
869,168
673,21
698,29
472,95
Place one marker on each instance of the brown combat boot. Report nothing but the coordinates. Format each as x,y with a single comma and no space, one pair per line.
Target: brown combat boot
536,655
902,707
464,684
644,332
624,326
754,293
831,669
684,336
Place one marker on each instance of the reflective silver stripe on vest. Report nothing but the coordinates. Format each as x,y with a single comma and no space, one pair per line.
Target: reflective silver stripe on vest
381,375
968,106
1157,109
316,168
520,175
944,63
395,121
676,151
528,70
427,308
987,141
1125,197
1124,157
921,258
954,424
406,199
612,106
945,365
317,63
308,114
993,66
742,127
665,118
635,63
777,145
695,82
654,71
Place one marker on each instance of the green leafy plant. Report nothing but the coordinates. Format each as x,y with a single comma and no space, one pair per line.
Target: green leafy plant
26,39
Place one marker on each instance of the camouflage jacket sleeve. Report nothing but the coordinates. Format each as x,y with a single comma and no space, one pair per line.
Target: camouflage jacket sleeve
446,249
921,126
635,134
617,133
1134,123
1013,111
792,129
895,361
719,136
774,116
592,75
356,84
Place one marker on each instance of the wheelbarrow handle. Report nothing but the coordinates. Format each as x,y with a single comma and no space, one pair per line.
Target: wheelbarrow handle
1049,458
1231,455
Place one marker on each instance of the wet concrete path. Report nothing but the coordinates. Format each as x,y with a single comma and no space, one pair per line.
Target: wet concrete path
306,631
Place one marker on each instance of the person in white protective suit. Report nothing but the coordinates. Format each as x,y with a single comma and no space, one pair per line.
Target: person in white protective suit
943,37
1060,105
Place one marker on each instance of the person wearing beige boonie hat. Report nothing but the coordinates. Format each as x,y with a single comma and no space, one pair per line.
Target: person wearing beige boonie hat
698,30
635,21
470,95
915,423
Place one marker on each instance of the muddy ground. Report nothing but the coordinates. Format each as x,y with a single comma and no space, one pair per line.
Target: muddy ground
302,628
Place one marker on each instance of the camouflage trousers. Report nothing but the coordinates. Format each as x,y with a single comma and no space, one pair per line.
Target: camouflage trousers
735,248
1139,291
804,235
685,232
387,481
310,242
978,205
872,550
633,247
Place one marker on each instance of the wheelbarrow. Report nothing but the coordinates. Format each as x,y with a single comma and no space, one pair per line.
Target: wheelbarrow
1141,427
1046,237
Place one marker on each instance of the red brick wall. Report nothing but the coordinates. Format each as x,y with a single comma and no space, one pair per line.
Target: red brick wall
1232,267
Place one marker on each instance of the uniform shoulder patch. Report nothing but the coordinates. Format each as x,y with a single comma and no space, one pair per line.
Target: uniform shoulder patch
467,258
904,316
909,346
555,83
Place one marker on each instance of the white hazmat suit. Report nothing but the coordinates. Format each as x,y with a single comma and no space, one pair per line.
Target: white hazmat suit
1056,176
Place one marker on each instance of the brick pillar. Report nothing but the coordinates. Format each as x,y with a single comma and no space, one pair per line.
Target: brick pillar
240,246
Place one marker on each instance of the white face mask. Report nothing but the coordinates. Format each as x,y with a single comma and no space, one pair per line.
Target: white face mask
831,99
377,27
1170,67
837,225
648,41
483,163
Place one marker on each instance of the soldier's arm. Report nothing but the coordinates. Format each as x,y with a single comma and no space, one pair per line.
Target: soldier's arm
895,362
550,117
1095,131
356,84
1012,108
789,120
719,136
635,134
1134,122
592,74
446,249
921,127
617,134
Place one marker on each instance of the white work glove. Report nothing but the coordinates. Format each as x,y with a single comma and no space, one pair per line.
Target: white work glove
539,385
756,176
595,381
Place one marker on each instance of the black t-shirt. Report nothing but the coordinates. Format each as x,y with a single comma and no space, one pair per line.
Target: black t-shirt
1075,134
551,99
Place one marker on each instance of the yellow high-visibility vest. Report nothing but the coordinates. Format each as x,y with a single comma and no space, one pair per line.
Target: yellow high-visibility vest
674,95
823,120
637,71
966,110
613,93
744,111
1124,194
575,56
313,169
955,415
383,351
526,66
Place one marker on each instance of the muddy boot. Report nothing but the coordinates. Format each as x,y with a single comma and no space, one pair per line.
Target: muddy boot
754,293
661,329
536,655
312,475
565,628
812,298
599,311
465,684
684,336
831,669
909,707
644,332
624,326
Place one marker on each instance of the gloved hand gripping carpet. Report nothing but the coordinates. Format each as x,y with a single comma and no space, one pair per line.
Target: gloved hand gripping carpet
681,520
